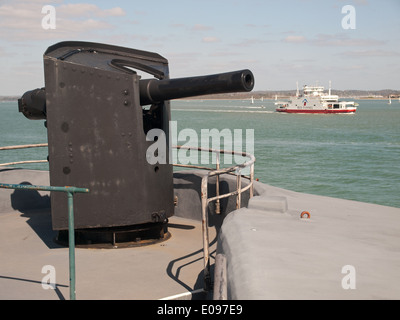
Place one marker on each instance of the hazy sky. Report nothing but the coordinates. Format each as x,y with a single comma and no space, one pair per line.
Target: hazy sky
280,41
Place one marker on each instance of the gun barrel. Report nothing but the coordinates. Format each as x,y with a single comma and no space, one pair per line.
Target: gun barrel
154,91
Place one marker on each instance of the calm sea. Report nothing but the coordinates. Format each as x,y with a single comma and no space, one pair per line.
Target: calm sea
353,157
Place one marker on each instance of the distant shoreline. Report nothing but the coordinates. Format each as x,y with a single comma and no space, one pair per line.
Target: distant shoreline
8,98
284,94
216,99
281,97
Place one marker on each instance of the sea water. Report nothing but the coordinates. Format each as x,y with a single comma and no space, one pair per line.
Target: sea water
352,156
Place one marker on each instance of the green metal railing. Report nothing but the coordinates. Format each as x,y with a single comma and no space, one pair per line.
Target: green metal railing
71,230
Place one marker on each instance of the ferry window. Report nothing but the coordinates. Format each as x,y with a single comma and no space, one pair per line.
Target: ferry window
336,106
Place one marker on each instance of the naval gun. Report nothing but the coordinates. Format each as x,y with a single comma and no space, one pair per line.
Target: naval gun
96,110
33,102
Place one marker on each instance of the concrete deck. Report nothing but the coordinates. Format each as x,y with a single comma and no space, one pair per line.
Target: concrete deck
151,272
270,252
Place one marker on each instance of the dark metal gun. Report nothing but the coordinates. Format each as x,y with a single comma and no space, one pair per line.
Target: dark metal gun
33,103
97,131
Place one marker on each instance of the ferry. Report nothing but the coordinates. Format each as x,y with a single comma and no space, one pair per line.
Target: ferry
314,100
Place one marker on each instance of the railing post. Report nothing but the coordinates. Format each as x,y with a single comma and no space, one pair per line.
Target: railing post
71,246
217,202
204,226
239,189
251,180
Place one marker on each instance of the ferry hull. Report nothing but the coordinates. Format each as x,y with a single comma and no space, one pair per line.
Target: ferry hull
320,111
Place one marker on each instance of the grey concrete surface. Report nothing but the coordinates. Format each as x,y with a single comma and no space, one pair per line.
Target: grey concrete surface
270,252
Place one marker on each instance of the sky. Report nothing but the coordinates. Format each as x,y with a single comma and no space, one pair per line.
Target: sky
281,42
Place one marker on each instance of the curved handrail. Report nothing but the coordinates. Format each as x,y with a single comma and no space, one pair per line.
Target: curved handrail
205,200
23,146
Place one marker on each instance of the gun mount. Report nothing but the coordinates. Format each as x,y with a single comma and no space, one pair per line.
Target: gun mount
96,127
